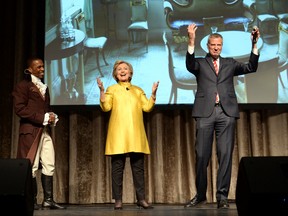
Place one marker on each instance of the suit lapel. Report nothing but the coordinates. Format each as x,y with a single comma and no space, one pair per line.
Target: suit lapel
220,63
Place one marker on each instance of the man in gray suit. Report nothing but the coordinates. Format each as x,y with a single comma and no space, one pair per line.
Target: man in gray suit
216,110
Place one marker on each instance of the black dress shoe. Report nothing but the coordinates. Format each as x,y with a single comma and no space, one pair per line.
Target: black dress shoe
193,202
51,204
222,204
37,206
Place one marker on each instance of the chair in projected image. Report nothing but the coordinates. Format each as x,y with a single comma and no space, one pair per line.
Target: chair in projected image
266,20
139,23
280,9
180,77
213,24
283,44
262,86
94,44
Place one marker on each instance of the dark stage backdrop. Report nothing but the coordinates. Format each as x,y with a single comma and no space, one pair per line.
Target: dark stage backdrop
23,37
83,172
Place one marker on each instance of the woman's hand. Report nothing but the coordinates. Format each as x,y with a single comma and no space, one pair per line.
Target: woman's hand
100,84
101,87
154,89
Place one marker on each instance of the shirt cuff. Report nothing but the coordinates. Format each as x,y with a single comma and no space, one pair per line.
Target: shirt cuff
255,51
191,49
46,119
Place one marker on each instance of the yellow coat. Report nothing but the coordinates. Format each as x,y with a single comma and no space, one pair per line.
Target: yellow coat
126,132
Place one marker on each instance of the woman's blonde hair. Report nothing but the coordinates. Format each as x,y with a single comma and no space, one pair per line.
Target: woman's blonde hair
116,64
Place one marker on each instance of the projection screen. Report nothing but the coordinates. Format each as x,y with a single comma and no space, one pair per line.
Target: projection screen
72,68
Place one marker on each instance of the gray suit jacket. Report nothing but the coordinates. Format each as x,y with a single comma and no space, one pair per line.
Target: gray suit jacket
208,83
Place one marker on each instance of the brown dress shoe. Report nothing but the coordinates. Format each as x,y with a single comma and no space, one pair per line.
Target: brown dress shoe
143,204
118,205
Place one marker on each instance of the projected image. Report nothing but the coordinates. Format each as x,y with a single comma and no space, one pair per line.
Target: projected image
84,38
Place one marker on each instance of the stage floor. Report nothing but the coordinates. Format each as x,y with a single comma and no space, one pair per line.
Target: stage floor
132,210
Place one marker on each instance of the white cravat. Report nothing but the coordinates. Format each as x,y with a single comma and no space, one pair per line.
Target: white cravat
41,86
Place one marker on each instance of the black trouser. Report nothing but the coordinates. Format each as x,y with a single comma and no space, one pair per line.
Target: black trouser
137,166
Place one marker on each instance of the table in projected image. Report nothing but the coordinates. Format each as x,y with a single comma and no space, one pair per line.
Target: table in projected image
236,44
57,50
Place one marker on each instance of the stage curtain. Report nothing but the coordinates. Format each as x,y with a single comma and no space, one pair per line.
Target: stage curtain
83,172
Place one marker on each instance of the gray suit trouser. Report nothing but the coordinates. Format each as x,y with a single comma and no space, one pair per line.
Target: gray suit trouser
223,127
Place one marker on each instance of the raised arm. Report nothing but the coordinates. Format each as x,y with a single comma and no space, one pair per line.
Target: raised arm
191,34
255,35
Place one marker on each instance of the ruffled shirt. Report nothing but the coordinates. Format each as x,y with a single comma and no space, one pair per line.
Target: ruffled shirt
41,86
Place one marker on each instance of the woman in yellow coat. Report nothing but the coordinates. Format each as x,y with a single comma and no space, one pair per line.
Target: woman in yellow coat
126,133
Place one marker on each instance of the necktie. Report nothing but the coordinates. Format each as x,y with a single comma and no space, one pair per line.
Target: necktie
215,65
216,69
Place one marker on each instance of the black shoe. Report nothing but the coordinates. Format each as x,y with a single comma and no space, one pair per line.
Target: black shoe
50,204
37,206
222,204
143,204
118,205
193,202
